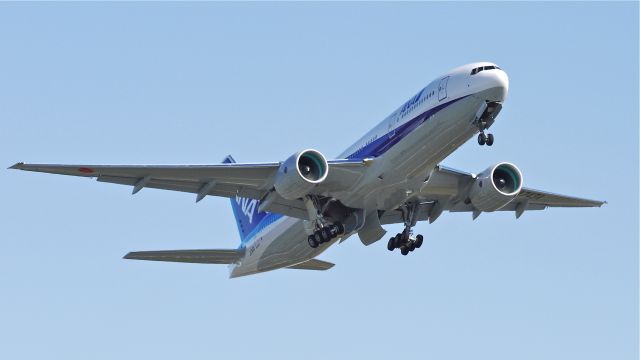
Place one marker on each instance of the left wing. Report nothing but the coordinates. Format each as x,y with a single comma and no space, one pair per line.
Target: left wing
226,180
448,185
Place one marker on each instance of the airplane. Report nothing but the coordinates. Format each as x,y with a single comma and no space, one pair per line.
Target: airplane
291,211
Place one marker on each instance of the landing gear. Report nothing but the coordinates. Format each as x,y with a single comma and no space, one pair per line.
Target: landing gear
325,234
405,240
482,139
485,139
320,231
489,139
485,117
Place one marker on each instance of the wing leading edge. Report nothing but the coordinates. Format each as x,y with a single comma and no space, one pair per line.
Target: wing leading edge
226,180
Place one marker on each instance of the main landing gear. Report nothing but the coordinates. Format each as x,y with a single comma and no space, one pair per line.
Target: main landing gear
405,240
325,234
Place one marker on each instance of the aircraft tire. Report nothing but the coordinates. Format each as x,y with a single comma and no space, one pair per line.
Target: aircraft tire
411,245
490,139
482,139
419,240
326,234
404,250
391,244
312,241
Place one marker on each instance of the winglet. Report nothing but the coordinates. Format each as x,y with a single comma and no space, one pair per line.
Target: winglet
16,166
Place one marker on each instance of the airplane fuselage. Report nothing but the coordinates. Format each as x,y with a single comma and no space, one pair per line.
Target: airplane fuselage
407,146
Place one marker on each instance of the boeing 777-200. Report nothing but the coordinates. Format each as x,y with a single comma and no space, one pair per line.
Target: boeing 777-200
289,212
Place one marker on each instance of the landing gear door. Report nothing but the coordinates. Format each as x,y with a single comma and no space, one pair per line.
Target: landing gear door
442,88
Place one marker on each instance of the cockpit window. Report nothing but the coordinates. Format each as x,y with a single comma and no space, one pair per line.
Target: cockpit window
478,69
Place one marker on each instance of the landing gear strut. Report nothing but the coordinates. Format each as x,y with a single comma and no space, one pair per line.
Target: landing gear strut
405,240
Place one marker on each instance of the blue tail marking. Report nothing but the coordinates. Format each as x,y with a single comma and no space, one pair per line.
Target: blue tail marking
248,218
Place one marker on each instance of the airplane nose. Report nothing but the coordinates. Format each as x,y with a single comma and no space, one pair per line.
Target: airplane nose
497,81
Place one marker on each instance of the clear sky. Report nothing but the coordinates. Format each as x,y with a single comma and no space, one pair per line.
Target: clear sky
191,83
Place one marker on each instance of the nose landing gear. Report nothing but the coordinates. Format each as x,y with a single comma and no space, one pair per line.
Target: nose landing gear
485,117
485,139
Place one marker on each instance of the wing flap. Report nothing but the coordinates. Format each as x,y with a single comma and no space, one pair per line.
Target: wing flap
224,256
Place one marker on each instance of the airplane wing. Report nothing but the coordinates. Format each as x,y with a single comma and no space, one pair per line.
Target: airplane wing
451,183
226,256
226,180
531,196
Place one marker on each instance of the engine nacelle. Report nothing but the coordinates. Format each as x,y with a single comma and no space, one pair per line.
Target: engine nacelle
495,187
300,173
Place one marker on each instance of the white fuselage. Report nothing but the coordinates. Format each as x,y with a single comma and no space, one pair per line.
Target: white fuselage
406,146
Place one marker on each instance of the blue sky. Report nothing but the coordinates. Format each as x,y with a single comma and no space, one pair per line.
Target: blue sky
191,83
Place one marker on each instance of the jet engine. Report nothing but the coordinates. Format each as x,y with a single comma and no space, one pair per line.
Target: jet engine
495,187
300,173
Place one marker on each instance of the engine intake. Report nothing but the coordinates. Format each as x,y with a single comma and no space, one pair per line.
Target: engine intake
300,173
496,187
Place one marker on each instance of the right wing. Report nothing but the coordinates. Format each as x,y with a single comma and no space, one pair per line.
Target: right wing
446,189
227,180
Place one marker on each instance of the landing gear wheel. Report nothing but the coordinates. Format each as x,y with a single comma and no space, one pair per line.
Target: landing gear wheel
411,245
312,241
326,234
489,139
419,239
404,250
482,139
391,245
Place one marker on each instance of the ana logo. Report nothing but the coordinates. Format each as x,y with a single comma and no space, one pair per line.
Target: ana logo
248,206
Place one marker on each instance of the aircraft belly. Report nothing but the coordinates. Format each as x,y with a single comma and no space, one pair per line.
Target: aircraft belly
283,244
392,178
404,168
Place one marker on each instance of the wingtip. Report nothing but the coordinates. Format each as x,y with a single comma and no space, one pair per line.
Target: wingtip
128,256
17,165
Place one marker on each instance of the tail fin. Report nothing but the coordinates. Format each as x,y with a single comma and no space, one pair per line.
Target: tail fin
246,212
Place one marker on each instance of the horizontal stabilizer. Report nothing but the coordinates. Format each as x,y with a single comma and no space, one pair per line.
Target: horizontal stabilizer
226,256
313,264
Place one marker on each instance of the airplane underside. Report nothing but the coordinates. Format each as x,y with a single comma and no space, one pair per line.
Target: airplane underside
289,212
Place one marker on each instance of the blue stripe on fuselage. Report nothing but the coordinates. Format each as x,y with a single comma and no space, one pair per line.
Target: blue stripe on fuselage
374,149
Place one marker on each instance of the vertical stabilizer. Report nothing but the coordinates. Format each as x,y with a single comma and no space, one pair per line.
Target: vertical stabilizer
248,218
